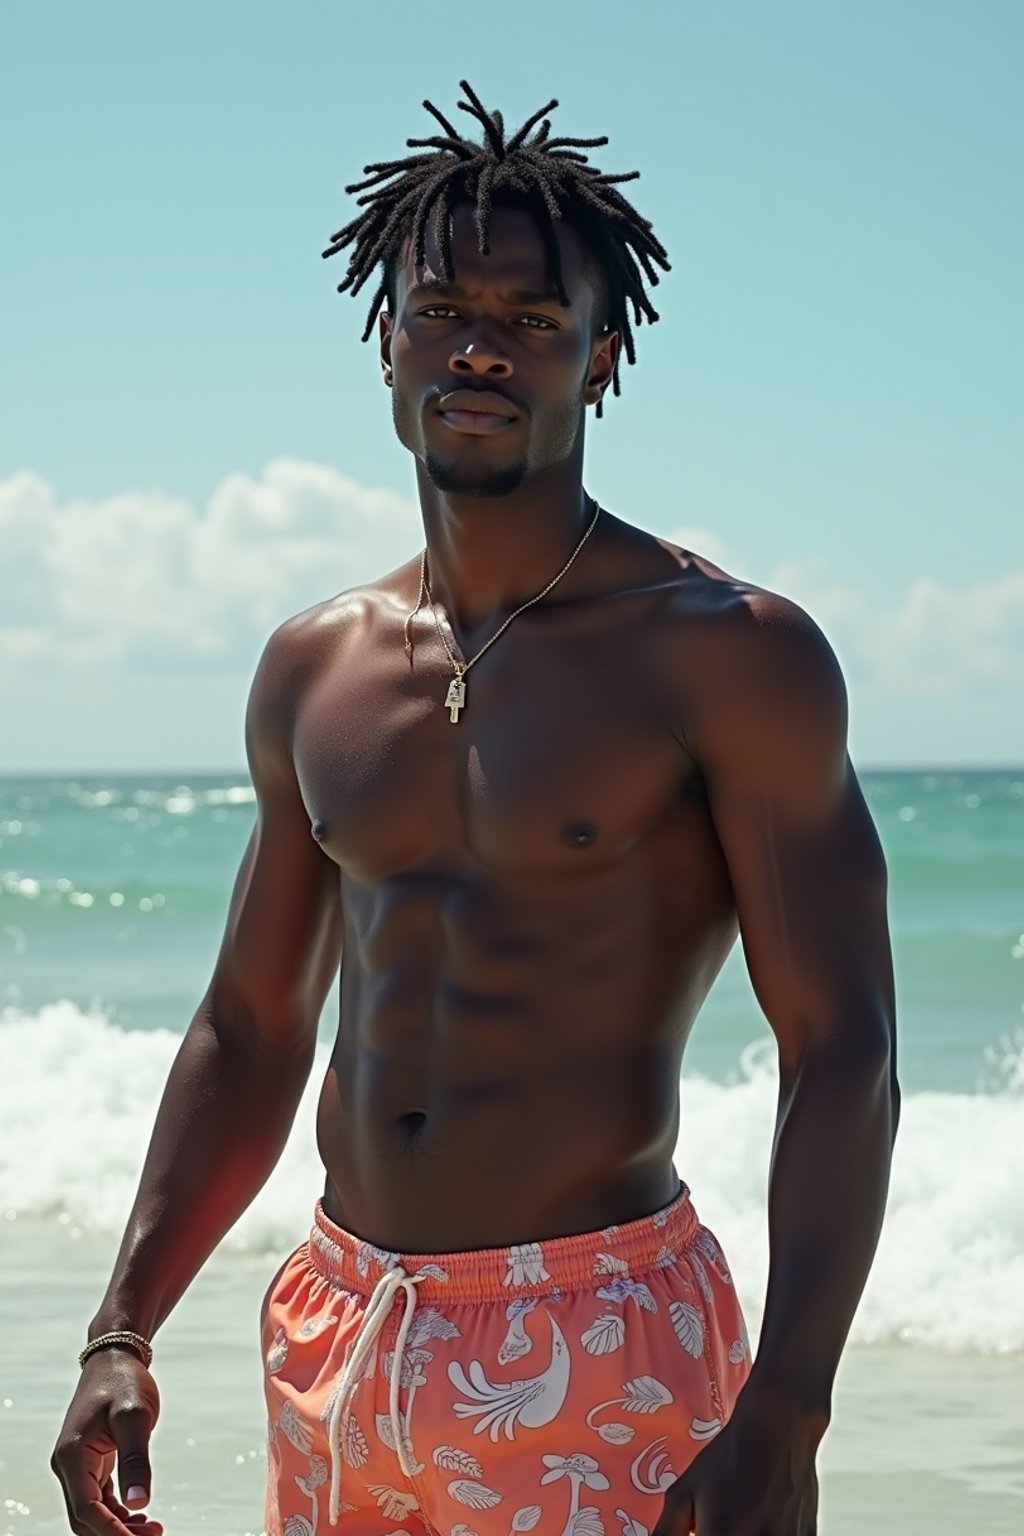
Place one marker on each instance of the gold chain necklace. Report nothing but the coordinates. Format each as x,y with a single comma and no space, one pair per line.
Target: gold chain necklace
455,699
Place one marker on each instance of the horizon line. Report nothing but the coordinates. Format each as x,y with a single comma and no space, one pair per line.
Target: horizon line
243,773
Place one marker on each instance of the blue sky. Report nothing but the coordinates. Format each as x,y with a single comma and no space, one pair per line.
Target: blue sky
193,443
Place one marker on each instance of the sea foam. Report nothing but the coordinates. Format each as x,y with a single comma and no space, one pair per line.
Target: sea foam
78,1097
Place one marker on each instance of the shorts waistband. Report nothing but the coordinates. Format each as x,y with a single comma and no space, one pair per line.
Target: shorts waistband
520,1270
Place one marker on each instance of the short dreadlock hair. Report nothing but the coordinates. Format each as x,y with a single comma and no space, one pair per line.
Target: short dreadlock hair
550,177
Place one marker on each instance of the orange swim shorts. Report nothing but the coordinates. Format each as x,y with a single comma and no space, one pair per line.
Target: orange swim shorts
556,1387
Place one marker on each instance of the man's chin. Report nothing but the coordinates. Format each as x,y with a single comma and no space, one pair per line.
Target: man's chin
475,479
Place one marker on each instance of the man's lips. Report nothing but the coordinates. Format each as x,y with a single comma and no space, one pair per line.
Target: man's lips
475,421
476,411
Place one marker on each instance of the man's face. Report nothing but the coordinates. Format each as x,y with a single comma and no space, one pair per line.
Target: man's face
489,373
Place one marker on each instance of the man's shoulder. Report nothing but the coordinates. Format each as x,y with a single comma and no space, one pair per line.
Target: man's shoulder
299,651
713,625
749,664
317,631
739,620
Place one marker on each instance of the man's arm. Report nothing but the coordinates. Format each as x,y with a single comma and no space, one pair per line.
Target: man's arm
230,1098
770,735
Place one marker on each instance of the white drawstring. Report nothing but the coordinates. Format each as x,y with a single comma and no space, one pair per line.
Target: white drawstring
374,1318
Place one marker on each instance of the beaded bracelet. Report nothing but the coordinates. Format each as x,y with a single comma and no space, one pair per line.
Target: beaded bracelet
121,1336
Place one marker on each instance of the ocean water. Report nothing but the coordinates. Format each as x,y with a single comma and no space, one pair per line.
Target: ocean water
113,896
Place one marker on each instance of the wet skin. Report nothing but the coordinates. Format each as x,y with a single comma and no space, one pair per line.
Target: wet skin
535,905
530,906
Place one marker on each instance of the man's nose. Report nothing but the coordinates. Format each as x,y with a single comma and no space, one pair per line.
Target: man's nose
481,358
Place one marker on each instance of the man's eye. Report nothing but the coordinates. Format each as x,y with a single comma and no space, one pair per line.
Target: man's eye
532,322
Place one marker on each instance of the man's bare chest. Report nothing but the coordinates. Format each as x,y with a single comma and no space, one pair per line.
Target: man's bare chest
563,757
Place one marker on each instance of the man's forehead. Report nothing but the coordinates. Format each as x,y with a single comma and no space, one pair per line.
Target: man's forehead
517,260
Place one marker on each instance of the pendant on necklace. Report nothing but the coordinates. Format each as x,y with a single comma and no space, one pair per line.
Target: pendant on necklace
455,698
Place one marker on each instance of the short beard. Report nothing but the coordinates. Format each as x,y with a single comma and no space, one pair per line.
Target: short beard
457,480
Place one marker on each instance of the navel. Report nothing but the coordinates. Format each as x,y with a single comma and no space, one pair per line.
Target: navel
579,834
411,1127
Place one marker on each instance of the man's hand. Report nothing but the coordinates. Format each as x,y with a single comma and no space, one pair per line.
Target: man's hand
110,1420
756,1478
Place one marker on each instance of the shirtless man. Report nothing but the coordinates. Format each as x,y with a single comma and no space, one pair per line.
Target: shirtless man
507,1315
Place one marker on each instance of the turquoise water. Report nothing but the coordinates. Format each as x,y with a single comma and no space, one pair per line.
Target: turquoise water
114,891
113,896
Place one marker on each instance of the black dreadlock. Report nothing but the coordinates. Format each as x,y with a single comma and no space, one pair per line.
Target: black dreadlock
548,176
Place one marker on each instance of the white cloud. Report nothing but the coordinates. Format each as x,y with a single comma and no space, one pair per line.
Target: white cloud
945,639
940,641
144,583
144,578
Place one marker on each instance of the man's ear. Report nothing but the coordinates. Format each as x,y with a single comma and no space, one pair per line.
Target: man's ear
602,365
384,327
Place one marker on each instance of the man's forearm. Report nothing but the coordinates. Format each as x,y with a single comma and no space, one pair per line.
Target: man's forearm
829,1179
222,1123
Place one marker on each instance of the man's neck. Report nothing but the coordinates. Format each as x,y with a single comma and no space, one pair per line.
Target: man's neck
486,556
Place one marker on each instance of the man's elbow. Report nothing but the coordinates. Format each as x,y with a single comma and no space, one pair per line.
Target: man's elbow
859,1045
883,1037
879,1057
895,1097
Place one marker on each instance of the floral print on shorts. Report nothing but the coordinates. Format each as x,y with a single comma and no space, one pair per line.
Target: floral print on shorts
557,1387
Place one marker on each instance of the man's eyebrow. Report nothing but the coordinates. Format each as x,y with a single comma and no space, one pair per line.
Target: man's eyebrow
438,288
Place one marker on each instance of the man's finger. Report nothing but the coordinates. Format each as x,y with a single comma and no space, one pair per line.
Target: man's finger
79,1467
678,1515
138,1523
131,1428
97,1520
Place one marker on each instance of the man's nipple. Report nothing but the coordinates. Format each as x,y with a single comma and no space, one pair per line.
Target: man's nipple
579,834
